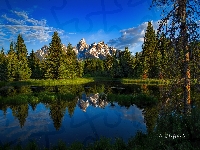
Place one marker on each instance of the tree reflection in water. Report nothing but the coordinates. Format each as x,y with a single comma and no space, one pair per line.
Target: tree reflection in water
59,100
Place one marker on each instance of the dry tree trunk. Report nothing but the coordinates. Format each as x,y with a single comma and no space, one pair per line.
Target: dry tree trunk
184,43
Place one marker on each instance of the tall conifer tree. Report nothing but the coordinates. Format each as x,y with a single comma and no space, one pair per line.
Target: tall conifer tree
3,66
71,62
12,63
167,59
137,67
195,59
116,70
127,63
108,63
23,70
54,58
34,64
148,48
79,68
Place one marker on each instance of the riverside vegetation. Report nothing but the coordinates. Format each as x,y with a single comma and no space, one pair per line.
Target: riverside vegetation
172,60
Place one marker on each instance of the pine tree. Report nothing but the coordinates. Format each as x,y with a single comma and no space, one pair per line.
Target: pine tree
108,63
137,67
12,63
126,61
43,69
3,66
99,67
87,67
34,65
90,67
23,71
71,62
79,69
53,60
195,59
116,71
148,48
167,57
156,68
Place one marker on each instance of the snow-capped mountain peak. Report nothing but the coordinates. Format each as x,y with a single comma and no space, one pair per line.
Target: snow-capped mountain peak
83,50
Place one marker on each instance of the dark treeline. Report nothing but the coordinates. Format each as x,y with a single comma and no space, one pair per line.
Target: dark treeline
158,60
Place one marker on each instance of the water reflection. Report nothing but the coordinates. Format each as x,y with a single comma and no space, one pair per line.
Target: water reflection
20,112
95,100
13,132
72,113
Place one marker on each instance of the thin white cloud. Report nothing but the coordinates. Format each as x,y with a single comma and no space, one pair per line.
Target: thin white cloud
100,35
25,17
12,20
21,14
31,29
131,37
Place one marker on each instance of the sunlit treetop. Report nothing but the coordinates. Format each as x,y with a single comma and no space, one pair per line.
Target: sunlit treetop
172,13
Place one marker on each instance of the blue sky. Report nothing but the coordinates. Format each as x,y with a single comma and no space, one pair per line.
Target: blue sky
118,23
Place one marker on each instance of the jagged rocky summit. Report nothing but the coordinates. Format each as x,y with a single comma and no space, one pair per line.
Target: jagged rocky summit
83,50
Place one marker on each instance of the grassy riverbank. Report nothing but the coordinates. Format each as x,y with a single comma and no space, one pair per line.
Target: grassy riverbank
77,81
49,82
154,81
147,81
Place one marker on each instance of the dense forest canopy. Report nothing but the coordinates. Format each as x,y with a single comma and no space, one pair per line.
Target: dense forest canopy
156,60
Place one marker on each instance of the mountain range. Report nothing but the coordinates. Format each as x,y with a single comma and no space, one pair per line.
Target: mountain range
83,50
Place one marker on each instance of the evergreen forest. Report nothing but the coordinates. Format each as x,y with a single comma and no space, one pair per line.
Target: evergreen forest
157,60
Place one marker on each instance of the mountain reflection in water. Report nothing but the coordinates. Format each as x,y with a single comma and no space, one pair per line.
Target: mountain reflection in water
95,100
90,116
